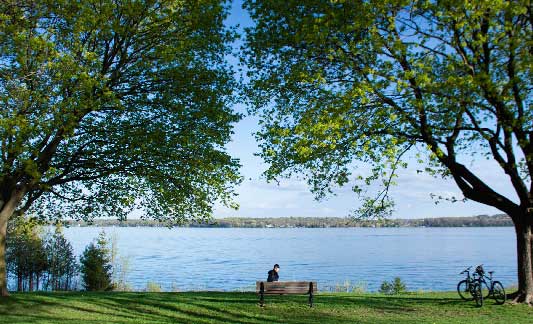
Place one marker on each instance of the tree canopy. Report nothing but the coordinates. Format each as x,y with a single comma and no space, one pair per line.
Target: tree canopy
342,81
109,106
114,105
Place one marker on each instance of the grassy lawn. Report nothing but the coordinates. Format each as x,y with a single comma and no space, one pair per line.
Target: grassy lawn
235,307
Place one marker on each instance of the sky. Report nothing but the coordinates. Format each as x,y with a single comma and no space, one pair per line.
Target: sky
292,197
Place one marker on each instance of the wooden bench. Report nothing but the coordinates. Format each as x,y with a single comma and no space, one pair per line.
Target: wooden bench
286,287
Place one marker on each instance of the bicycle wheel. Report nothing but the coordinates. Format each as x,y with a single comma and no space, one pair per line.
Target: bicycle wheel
485,289
498,292
463,290
477,294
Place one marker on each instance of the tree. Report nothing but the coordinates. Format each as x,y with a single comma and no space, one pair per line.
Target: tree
340,82
62,266
110,106
25,254
96,269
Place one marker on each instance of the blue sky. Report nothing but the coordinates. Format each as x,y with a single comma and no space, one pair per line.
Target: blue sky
292,197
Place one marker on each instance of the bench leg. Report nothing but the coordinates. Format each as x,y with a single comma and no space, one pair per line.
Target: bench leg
311,294
262,295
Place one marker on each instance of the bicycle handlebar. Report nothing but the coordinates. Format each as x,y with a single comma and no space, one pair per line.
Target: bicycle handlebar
466,270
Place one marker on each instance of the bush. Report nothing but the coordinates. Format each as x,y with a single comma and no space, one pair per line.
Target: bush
385,288
398,286
95,265
395,287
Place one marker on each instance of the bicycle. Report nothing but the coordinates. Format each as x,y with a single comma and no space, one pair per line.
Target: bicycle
495,288
464,286
470,288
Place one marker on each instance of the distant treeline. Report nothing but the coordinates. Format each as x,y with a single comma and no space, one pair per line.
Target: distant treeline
316,222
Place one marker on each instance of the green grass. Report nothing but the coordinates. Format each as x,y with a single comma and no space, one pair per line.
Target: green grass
234,307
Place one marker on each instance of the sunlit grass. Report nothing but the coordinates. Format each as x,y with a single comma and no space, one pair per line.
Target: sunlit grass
235,307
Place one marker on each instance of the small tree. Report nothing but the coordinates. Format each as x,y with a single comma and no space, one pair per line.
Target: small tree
95,265
385,287
26,257
395,287
62,265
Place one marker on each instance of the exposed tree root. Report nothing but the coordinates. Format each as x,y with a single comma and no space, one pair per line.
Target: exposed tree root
520,297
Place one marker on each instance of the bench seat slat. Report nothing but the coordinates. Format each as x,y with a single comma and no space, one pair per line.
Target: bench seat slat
286,291
285,287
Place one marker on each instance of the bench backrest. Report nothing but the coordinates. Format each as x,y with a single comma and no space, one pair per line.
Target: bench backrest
285,287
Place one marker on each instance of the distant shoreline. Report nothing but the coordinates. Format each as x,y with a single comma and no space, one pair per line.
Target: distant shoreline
311,222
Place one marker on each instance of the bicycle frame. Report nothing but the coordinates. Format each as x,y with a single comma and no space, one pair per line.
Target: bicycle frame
477,282
469,278
489,284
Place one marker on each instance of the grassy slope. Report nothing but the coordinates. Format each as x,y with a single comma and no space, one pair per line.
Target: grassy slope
234,307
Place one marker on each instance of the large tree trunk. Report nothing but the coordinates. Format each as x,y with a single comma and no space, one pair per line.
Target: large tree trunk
6,211
3,269
524,241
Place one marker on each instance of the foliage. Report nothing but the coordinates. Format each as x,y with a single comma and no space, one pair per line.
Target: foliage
398,286
112,106
395,287
234,307
26,255
96,269
356,81
62,268
385,288
346,88
39,261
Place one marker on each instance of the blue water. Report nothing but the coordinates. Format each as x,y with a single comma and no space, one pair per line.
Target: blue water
234,258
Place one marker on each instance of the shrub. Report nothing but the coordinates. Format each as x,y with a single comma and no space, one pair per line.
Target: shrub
95,265
398,286
395,287
385,288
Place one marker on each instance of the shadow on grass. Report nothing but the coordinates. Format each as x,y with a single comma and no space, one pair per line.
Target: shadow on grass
126,308
213,307
401,303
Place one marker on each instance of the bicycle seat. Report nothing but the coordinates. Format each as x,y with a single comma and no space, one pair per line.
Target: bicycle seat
491,272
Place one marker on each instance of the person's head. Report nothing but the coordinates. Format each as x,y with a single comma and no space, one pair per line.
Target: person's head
276,267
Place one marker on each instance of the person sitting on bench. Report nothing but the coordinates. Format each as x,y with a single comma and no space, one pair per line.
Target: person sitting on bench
273,274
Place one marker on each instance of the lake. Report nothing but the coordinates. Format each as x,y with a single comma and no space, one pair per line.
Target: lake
234,258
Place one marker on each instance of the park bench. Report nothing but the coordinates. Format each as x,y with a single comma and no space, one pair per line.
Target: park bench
286,288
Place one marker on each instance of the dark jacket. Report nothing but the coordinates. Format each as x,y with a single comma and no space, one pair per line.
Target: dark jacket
272,276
